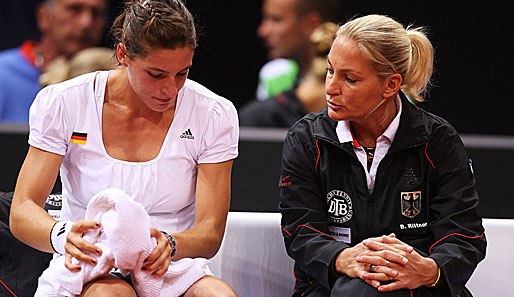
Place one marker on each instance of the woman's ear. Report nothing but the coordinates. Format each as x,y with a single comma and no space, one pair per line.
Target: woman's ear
392,85
121,53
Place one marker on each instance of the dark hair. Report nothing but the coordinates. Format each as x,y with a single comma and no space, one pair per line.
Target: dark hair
329,10
146,24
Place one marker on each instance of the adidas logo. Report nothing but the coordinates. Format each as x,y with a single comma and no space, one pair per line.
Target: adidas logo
187,134
61,231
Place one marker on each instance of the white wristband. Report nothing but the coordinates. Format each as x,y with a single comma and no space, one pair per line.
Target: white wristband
58,235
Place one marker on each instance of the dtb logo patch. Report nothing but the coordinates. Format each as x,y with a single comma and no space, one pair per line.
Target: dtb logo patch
411,203
339,206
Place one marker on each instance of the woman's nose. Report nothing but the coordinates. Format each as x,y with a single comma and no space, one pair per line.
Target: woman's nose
169,88
331,86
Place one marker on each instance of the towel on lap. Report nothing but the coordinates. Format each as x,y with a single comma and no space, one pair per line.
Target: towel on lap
124,238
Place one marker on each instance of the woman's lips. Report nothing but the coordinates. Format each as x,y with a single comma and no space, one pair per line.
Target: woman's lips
332,105
164,101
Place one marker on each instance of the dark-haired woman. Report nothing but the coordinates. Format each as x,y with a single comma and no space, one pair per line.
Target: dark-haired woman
145,129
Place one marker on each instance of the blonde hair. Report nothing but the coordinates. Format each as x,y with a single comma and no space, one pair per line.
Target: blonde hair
322,39
392,49
87,60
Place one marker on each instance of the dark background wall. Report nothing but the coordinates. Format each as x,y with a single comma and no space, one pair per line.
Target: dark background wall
473,41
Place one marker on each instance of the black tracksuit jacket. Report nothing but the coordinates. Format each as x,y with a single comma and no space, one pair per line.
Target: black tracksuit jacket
424,192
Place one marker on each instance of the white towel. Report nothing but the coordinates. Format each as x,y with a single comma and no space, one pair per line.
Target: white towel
125,242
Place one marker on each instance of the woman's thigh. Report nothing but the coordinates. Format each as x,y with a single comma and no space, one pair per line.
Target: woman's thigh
210,286
314,290
108,286
345,286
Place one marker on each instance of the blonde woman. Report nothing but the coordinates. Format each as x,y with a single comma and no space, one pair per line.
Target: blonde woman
378,196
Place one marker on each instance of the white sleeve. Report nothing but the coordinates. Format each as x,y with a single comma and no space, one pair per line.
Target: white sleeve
47,122
221,137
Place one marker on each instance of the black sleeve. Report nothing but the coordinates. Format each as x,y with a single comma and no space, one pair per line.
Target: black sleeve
305,219
21,265
460,242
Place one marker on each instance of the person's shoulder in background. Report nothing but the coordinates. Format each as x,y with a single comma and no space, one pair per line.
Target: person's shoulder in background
280,111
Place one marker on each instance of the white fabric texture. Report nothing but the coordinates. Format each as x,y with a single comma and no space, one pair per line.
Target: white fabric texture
58,235
124,238
204,130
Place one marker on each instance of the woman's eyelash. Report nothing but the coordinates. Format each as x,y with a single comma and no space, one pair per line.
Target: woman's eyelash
154,75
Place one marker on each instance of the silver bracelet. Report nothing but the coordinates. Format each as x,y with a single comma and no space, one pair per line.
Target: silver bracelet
172,242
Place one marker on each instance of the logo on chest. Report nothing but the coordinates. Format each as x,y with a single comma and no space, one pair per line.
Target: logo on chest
187,134
411,203
339,206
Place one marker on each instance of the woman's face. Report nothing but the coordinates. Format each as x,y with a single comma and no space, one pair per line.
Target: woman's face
352,86
158,77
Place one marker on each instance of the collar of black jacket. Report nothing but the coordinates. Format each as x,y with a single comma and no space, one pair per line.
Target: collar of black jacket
412,130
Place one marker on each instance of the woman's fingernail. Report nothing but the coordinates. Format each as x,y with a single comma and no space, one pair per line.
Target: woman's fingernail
93,262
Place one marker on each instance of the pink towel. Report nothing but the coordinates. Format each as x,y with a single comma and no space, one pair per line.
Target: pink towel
125,242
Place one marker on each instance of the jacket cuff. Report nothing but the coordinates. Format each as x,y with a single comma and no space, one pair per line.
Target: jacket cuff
333,275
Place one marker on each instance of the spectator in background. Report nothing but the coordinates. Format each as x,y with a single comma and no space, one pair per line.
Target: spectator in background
286,28
67,26
284,109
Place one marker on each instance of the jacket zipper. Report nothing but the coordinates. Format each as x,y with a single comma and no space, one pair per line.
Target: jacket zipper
370,201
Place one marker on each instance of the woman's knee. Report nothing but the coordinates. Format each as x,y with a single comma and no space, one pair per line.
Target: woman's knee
210,286
108,287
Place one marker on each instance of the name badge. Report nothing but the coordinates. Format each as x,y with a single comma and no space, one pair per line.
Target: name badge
341,233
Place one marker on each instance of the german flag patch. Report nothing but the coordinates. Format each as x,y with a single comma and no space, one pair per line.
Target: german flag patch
78,137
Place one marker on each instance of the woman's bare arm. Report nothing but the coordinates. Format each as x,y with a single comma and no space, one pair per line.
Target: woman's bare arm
29,222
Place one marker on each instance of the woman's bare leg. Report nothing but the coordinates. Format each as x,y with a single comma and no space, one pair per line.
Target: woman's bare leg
108,286
210,286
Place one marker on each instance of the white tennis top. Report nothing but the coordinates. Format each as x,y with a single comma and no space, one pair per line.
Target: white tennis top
66,119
